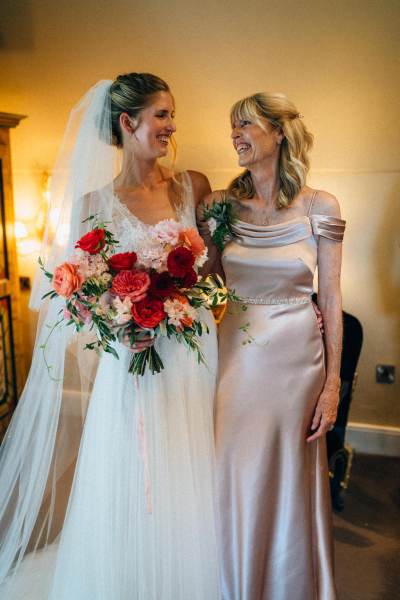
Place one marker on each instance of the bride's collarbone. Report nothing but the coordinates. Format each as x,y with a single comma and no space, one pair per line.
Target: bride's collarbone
150,206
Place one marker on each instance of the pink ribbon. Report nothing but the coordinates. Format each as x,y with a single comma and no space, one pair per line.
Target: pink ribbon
145,457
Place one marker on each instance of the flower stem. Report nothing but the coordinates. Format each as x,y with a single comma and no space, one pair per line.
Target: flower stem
148,357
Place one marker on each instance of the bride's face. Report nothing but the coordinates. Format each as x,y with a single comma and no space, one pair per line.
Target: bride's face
154,127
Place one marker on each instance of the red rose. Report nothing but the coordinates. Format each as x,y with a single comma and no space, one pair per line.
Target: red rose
124,261
189,279
148,313
131,284
180,261
162,285
92,242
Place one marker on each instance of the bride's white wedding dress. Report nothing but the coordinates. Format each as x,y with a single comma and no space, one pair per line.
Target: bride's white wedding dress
140,521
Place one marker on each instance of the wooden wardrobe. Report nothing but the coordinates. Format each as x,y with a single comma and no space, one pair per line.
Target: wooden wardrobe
11,334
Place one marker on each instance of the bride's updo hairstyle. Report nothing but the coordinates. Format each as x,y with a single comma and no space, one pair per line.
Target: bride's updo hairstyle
130,94
294,162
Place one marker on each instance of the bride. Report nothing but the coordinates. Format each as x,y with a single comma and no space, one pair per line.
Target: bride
106,480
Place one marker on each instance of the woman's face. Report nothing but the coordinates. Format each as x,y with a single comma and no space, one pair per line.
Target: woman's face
153,127
253,143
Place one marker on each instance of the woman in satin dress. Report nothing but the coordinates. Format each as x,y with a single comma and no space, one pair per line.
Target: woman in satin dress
279,379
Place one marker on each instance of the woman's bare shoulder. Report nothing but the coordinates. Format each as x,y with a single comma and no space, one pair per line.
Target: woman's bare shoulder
200,185
325,203
215,196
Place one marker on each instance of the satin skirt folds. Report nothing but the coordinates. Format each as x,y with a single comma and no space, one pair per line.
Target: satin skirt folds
275,524
141,520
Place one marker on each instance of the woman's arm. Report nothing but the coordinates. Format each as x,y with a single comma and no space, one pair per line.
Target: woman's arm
330,304
200,185
203,196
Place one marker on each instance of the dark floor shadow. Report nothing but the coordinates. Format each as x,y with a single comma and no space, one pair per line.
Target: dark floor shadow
390,565
373,495
16,25
371,506
346,536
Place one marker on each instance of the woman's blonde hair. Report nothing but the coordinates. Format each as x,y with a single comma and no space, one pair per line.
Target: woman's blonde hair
294,162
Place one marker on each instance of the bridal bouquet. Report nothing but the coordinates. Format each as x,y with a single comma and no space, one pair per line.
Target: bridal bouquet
131,296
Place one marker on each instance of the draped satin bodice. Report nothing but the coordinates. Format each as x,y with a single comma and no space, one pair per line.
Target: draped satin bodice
268,264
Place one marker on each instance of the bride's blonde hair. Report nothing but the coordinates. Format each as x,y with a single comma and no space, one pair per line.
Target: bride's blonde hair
294,162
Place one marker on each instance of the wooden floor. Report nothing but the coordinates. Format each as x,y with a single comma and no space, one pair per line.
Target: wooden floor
367,532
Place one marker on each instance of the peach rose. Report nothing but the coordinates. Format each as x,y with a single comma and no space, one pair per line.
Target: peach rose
67,279
192,239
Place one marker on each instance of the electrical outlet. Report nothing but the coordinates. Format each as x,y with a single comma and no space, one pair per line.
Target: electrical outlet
385,373
24,284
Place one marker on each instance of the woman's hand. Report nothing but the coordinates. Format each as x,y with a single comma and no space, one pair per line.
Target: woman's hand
325,413
320,320
145,339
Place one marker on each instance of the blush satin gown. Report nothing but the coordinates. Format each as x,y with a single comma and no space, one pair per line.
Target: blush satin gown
275,521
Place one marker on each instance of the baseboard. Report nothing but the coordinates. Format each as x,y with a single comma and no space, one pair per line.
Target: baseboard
374,439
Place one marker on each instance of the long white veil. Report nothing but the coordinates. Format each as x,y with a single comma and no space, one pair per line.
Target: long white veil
38,454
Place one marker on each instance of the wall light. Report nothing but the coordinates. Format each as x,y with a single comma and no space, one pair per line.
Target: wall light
26,244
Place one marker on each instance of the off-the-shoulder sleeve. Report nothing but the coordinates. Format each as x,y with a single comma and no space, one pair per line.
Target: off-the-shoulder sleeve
328,227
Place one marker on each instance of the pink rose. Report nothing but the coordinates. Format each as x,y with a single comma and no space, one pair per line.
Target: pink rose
67,280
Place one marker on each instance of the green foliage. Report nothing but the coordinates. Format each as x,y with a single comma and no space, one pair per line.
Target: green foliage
146,358
47,273
224,215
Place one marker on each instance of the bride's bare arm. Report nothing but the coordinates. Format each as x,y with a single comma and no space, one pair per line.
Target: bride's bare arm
330,304
201,186
213,264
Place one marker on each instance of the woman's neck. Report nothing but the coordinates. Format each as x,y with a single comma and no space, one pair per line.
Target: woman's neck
135,172
265,178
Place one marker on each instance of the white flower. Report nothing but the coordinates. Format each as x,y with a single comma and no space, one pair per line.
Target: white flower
166,231
105,301
200,260
212,225
122,309
153,257
179,311
90,265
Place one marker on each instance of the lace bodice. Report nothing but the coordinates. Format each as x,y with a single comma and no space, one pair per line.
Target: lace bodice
132,233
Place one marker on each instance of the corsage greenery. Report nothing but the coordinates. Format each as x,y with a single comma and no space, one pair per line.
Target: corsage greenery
220,216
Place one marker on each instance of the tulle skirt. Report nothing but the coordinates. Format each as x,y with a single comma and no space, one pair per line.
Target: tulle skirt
140,522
